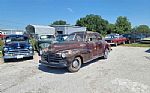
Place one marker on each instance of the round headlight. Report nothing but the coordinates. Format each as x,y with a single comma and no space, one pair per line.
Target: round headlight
5,49
41,52
63,55
30,47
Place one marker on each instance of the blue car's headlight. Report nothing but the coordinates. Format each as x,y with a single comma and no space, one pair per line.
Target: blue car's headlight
5,49
30,47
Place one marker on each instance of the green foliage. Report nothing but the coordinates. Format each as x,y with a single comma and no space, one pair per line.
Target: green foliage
143,29
122,25
33,42
59,22
111,28
0,54
1,45
93,23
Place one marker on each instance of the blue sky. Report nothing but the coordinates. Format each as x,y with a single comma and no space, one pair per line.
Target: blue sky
17,14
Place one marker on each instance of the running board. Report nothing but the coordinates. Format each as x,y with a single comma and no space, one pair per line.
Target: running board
93,59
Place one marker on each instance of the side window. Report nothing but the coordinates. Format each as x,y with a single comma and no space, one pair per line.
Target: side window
99,37
92,37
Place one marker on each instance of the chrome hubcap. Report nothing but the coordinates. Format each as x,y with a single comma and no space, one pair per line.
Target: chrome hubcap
106,53
75,64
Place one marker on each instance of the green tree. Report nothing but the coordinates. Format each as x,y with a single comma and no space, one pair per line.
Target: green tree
111,28
141,29
59,22
122,25
93,23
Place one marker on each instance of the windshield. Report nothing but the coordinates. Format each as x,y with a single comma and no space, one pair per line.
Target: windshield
112,36
16,39
47,37
61,37
75,37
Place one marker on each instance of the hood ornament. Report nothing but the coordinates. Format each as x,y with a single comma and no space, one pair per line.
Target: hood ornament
18,45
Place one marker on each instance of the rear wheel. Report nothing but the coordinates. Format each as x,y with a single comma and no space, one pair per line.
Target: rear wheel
75,65
116,44
106,54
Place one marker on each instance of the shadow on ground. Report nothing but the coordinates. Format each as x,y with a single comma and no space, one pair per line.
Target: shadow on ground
63,70
16,60
148,51
52,70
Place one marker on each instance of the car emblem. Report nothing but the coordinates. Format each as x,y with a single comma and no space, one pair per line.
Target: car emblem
18,45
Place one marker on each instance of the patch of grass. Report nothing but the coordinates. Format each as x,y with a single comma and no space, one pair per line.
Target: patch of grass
137,45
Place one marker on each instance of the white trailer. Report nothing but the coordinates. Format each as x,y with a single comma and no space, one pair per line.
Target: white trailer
40,30
67,29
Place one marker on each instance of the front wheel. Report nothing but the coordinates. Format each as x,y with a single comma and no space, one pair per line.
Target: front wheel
75,65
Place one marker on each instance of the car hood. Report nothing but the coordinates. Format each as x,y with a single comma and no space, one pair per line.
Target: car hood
109,38
44,41
17,45
66,46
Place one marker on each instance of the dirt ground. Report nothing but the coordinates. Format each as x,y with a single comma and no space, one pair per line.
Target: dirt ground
127,70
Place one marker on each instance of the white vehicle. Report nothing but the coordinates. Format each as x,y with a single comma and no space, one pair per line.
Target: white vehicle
40,30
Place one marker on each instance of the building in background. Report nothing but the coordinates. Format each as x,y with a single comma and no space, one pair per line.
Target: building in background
11,31
67,29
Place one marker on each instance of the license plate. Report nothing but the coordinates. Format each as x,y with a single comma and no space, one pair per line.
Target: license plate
19,56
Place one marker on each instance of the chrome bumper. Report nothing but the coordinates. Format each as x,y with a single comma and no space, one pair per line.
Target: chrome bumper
11,56
53,64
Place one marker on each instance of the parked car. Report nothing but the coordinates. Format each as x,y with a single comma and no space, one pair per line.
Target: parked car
115,39
61,37
2,35
17,46
132,38
78,48
43,42
145,40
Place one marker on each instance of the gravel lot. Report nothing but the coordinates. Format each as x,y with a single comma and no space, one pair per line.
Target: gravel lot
127,70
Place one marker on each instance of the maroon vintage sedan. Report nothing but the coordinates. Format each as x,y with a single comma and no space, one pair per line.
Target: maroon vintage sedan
79,48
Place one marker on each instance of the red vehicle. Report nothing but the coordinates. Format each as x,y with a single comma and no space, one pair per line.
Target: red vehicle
2,35
115,39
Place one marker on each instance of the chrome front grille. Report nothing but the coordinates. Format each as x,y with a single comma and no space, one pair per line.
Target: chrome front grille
52,57
19,51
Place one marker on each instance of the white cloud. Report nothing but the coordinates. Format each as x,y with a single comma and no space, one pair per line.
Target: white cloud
70,10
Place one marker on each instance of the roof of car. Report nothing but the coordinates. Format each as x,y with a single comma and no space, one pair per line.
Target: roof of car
13,35
85,32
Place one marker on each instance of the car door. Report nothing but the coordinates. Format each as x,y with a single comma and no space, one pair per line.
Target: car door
99,44
94,44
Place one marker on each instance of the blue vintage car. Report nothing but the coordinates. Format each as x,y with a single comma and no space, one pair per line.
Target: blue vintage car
17,46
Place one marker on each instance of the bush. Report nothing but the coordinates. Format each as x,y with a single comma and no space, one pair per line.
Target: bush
1,45
33,42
